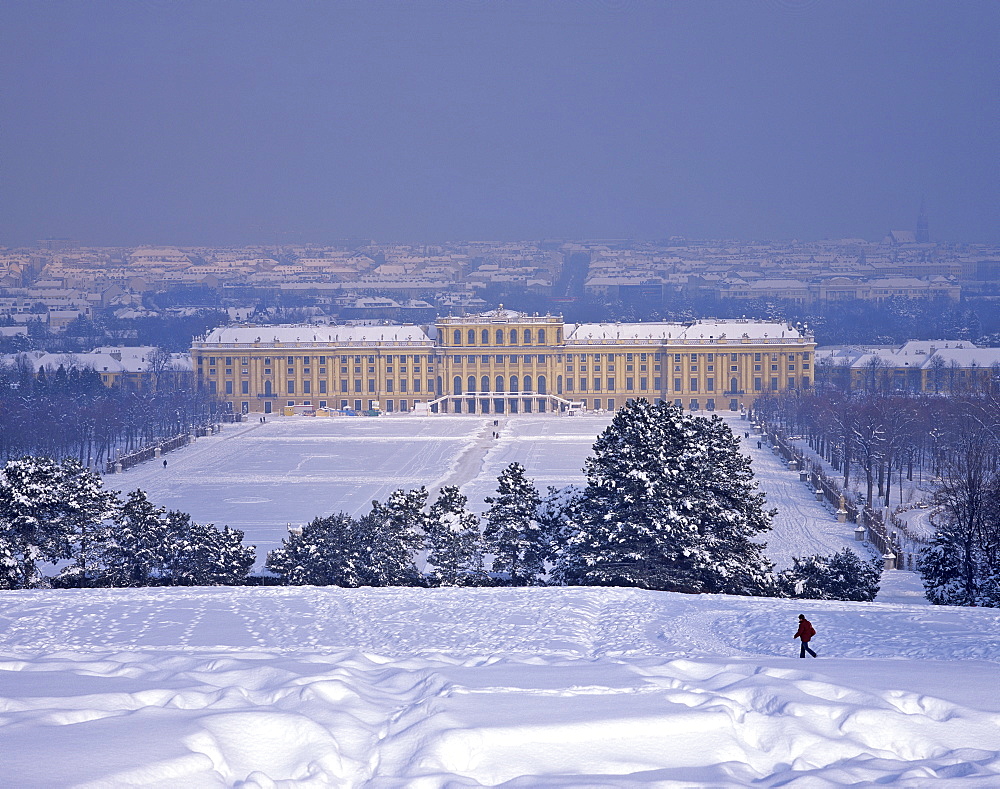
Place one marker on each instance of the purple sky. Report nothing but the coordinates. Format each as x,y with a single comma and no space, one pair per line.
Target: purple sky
216,122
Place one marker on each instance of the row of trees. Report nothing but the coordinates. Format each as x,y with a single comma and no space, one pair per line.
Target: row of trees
950,444
59,514
962,564
878,438
669,504
71,413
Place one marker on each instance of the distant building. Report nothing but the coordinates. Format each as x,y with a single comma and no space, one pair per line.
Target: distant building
929,366
502,361
923,231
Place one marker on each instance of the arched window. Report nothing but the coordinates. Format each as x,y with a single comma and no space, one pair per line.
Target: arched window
458,337
499,384
527,383
472,336
458,385
499,336
486,384
527,336
558,336
513,384
734,385
267,387
541,336
486,336
541,384
472,383
513,336
558,384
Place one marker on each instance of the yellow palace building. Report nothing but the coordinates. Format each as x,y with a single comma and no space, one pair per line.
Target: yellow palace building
501,362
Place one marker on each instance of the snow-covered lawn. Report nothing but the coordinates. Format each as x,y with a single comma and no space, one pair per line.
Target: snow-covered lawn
561,687
261,478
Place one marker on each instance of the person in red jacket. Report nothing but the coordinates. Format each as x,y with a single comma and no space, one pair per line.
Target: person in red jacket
805,632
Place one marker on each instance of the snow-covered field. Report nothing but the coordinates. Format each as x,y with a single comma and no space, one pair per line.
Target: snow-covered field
261,478
561,687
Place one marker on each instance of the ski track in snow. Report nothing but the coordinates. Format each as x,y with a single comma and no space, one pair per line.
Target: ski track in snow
561,687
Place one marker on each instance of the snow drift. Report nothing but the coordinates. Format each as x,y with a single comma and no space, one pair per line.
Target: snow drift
560,687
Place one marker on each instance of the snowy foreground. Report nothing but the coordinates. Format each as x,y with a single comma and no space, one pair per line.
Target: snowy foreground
562,687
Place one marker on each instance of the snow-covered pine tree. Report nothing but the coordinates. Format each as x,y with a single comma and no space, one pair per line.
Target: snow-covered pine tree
453,541
395,532
45,509
942,568
377,550
670,503
730,512
555,513
204,555
839,576
323,553
130,550
513,532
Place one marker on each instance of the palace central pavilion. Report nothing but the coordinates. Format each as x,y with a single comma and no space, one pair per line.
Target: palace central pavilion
502,362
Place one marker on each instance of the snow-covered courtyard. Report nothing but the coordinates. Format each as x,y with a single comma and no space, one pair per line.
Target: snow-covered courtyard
545,687
262,478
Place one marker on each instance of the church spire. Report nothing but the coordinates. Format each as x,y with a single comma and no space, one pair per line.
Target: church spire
923,234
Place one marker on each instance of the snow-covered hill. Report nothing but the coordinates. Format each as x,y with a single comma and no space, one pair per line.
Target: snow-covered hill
567,687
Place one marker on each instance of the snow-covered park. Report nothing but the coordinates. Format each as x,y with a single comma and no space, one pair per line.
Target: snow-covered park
577,687
263,478
546,687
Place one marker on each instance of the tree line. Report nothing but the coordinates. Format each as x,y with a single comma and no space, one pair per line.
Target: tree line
58,515
71,413
669,504
950,444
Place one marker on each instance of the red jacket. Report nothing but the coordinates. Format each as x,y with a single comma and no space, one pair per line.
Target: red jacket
805,631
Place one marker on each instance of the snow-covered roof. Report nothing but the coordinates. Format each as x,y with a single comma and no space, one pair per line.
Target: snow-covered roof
101,362
248,335
913,347
966,357
499,315
701,330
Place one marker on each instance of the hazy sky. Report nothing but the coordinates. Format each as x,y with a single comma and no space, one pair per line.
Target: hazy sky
211,122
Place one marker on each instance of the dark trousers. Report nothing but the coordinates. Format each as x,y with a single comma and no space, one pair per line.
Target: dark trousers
805,648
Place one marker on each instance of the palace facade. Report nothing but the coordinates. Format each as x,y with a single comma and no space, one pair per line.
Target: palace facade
502,362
